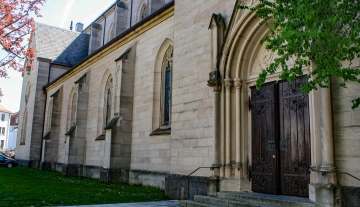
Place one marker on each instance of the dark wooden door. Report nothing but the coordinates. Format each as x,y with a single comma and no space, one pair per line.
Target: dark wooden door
264,143
280,139
294,139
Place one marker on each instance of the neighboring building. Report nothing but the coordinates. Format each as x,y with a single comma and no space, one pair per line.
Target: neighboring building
129,98
4,127
13,131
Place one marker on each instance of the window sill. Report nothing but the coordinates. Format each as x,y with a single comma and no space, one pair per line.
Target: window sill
161,132
101,137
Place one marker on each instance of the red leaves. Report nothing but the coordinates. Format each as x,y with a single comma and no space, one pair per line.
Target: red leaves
16,25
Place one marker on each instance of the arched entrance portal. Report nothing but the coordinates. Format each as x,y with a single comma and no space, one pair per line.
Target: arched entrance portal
266,132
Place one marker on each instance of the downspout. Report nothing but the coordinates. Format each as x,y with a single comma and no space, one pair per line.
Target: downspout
42,131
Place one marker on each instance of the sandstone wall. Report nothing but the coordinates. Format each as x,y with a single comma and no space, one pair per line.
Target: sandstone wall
192,106
346,128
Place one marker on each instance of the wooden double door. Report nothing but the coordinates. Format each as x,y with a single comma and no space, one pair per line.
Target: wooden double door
280,139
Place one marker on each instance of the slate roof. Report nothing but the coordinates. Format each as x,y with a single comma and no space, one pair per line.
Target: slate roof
2,109
63,47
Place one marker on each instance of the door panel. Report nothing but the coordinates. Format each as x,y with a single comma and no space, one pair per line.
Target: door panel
264,145
294,139
280,139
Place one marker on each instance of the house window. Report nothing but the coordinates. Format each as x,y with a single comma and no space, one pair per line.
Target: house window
107,101
2,130
2,144
166,88
2,117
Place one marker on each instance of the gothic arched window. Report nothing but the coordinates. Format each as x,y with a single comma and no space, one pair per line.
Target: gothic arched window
49,116
166,88
24,129
143,12
73,110
107,101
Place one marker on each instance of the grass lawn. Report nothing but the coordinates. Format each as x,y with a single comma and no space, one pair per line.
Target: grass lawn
32,187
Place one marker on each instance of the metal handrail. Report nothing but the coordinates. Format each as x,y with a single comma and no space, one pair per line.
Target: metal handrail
211,168
336,172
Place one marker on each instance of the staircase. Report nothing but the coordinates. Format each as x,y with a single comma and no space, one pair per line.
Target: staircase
233,199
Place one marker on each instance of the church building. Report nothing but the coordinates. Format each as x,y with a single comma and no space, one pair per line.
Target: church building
161,93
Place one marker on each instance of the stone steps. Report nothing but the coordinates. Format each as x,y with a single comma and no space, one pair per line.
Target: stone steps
232,199
268,199
200,201
190,203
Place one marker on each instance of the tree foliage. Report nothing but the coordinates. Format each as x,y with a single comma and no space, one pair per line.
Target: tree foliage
325,33
16,25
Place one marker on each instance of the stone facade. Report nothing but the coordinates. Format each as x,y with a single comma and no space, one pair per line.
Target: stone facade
102,116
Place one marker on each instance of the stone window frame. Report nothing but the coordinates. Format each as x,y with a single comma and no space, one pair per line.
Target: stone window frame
167,62
73,109
143,13
49,115
108,95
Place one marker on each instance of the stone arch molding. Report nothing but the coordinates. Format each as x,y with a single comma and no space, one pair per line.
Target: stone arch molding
71,113
102,88
159,61
242,59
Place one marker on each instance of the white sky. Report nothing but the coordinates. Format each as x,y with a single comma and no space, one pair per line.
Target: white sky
57,13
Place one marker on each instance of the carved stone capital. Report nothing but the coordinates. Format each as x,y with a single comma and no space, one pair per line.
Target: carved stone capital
237,83
214,78
228,83
217,88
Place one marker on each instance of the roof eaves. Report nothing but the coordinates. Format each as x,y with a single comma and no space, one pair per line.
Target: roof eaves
135,26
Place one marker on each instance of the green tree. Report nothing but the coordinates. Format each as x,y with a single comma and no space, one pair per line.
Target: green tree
325,32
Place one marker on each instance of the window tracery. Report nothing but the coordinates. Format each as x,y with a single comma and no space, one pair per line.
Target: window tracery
107,100
166,88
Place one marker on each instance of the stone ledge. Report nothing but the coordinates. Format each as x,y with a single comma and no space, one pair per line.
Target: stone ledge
160,131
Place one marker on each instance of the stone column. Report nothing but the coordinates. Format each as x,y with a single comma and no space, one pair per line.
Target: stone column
237,83
107,149
228,85
327,140
217,130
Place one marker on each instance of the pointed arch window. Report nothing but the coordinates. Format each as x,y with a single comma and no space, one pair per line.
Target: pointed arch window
23,130
107,101
166,87
143,12
49,116
73,110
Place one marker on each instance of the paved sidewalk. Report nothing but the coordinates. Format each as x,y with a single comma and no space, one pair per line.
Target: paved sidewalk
171,203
